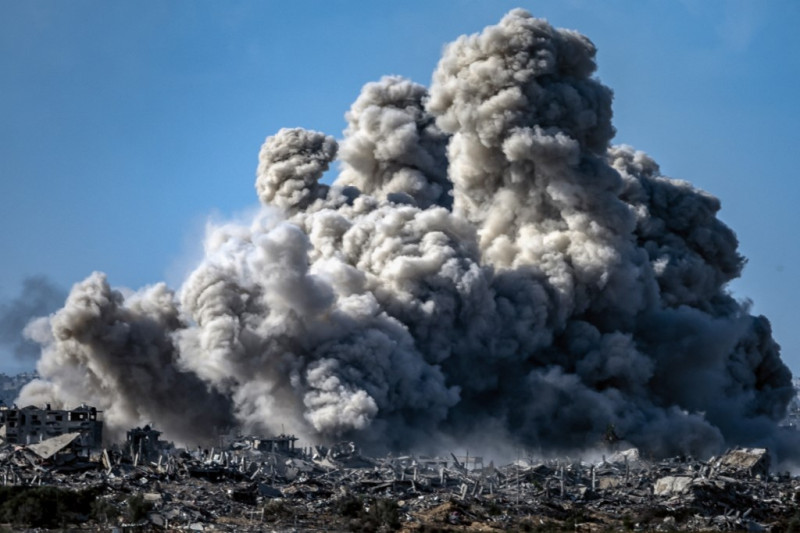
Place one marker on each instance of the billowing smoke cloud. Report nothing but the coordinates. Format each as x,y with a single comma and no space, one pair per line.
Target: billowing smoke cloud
485,259
119,356
39,297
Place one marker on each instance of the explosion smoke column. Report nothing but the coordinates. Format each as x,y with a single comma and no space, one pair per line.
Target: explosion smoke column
485,260
39,296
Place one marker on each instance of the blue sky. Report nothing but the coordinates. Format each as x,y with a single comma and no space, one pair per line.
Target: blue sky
125,125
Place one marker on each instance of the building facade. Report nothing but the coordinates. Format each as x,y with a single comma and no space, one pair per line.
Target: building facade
29,425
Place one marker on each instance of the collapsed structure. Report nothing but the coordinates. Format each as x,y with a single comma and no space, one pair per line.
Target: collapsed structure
249,487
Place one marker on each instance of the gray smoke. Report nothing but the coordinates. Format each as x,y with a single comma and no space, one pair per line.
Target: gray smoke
117,354
39,297
485,259
290,166
392,148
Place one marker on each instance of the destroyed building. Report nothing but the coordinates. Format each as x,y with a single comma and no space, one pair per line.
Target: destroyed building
145,442
280,444
31,424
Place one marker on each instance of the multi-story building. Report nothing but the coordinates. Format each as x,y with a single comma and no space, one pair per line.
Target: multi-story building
29,425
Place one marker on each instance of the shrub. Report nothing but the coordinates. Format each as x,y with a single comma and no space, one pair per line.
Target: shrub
383,514
138,508
103,511
46,507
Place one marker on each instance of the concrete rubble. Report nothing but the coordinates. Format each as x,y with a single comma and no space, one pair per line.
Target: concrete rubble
247,486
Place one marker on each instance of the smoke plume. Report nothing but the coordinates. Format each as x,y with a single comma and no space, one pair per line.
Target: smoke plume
39,297
484,259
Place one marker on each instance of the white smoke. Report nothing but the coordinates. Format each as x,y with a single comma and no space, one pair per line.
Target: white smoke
485,259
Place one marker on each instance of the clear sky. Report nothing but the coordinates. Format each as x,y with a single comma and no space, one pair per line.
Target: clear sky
124,125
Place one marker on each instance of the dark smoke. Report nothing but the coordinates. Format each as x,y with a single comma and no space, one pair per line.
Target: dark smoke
38,298
485,261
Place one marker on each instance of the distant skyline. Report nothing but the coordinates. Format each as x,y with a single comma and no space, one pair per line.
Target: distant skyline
125,126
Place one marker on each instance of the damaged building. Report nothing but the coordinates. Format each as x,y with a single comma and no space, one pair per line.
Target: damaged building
31,424
145,443
280,443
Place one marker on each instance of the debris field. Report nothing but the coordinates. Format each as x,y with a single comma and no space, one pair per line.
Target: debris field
244,487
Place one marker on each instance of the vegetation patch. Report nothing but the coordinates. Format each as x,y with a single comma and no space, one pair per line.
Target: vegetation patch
47,507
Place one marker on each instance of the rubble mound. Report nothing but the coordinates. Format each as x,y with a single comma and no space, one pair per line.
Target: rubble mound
337,488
